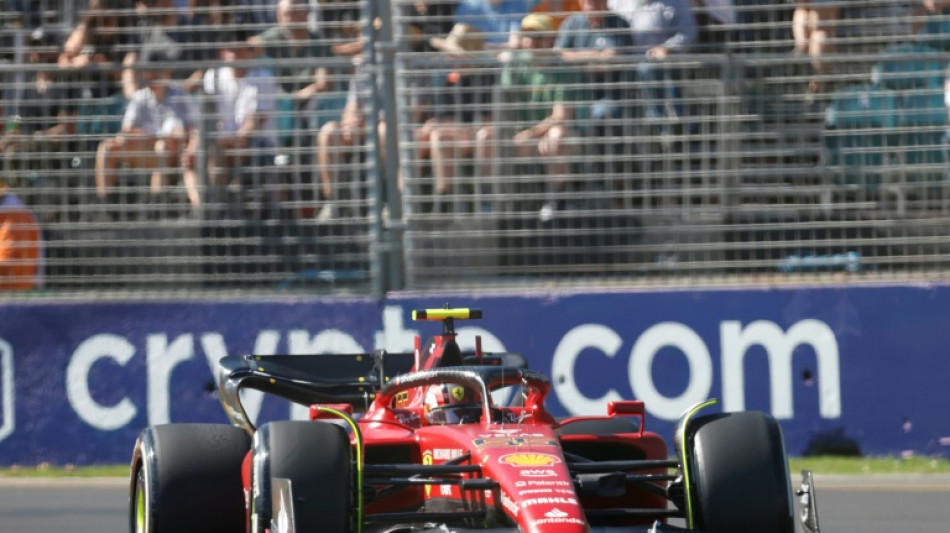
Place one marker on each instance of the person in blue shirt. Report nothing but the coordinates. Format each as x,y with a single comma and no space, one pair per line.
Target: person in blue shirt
660,28
590,40
498,20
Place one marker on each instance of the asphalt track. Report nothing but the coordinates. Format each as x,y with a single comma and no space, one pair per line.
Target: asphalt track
865,504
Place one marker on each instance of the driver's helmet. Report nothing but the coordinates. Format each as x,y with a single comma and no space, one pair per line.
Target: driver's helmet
450,403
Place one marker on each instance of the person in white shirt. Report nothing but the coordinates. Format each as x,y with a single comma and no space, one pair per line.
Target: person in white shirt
245,130
157,133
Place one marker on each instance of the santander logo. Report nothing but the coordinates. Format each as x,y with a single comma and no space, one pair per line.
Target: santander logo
555,513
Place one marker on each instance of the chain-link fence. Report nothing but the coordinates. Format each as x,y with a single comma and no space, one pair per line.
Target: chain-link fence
236,145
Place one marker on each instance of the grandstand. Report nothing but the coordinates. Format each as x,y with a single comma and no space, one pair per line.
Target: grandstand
748,175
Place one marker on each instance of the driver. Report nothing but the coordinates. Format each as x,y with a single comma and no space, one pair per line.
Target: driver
450,403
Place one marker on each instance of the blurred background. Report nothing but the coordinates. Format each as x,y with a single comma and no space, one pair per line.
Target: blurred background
359,147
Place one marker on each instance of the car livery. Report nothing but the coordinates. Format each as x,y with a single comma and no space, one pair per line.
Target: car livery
415,442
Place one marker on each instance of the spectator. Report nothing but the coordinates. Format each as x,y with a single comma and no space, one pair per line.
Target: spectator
203,29
197,31
292,39
497,20
340,140
660,28
258,15
463,106
537,93
244,101
157,133
558,10
590,39
296,53
932,23
813,30
47,111
21,244
158,29
431,17
101,50
340,25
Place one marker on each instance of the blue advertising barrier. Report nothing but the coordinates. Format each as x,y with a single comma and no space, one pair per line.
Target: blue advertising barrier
838,367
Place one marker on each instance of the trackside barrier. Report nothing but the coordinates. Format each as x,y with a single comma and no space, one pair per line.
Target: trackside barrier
840,367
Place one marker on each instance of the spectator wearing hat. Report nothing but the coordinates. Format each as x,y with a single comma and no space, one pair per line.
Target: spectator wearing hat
157,133
537,95
462,106
21,244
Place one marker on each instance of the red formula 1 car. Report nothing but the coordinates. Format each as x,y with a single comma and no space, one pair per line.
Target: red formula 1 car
421,442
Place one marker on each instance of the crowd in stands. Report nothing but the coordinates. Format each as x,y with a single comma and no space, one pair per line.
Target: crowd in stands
147,60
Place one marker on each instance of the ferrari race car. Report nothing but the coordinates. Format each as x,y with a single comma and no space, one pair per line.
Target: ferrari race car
442,441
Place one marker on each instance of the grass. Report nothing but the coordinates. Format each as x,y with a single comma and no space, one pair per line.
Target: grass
818,465
48,470
869,465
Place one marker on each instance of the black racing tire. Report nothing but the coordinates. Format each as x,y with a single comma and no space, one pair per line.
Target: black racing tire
186,478
316,459
740,475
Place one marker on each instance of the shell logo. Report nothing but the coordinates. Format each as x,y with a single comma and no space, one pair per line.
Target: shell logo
528,459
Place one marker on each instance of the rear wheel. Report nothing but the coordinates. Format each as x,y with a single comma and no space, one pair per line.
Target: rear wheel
740,474
302,478
187,478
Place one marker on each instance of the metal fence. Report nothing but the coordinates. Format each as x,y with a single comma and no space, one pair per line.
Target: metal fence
739,161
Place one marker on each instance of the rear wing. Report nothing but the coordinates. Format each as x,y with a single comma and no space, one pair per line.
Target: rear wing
307,379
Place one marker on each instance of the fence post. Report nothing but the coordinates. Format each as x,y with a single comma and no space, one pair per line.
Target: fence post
379,246
393,228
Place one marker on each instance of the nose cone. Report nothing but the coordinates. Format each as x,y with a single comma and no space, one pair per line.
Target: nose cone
537,490
554,513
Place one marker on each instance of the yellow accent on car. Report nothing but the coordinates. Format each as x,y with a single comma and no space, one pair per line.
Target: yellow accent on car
358,438
460,313
684,459
529,459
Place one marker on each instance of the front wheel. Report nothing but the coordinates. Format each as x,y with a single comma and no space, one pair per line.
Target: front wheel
740,474
301,478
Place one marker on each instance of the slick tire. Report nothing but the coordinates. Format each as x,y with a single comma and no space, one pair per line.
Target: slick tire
186,478
301,475
740,474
